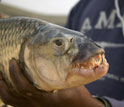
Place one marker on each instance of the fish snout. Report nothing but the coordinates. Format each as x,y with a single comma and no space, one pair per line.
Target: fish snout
87,49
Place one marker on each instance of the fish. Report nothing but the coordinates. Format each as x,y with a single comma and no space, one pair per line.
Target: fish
52,57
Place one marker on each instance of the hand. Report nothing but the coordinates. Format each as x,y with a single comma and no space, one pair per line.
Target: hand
26,95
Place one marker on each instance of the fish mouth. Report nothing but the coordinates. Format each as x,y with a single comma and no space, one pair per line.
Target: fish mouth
84,72
91,63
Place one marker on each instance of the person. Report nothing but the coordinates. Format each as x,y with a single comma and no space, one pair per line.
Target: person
102,21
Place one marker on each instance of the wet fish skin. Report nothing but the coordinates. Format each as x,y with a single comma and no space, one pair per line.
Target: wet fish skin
30,41
13,33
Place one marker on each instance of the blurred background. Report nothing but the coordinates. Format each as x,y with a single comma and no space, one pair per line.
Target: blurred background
55,11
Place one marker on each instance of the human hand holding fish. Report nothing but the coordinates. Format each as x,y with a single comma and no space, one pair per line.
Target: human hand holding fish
26,95
50,58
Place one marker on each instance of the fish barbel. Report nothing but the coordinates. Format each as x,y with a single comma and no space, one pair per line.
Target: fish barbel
52,57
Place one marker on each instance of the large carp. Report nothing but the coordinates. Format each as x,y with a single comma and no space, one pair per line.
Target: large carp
52,57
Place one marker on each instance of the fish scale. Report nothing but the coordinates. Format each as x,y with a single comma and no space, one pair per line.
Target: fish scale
46,52
12,35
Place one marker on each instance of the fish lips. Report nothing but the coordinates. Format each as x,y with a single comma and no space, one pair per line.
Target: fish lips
88,50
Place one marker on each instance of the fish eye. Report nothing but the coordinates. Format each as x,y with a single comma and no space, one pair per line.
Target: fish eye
59,45
58,42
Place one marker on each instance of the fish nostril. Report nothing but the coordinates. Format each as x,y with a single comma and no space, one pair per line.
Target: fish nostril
71,39
99,51
102,51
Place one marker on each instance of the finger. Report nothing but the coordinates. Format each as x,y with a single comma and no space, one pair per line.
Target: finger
12,97
0,76
21,83
6,95
1,70
3,89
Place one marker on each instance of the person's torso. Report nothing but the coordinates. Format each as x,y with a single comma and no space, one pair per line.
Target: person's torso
98,19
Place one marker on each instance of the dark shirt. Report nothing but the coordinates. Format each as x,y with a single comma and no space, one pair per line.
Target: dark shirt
98,20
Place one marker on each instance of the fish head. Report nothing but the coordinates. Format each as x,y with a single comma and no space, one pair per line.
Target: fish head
59,58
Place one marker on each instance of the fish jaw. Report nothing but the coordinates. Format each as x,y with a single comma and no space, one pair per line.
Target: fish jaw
84,72
88,65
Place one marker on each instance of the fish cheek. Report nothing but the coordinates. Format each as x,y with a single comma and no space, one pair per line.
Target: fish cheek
46,68
39,71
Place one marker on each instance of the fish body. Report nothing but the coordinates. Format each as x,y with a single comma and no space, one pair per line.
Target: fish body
52,57
13,33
